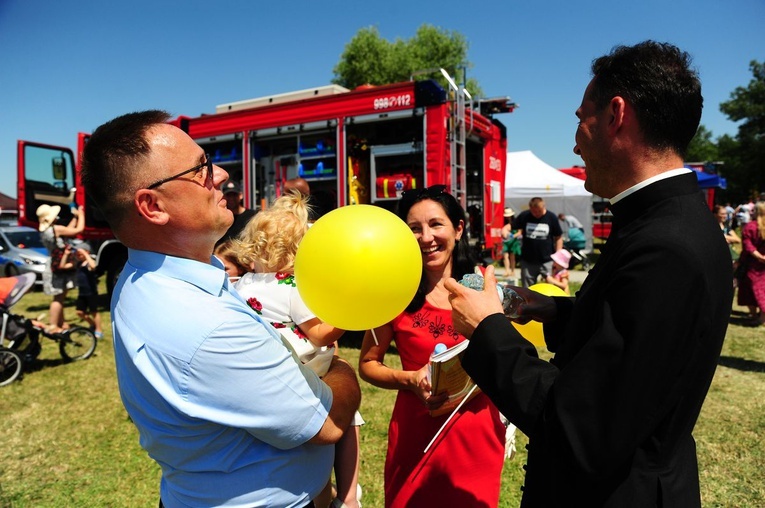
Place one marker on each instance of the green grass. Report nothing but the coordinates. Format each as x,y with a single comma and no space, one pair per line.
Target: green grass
69,442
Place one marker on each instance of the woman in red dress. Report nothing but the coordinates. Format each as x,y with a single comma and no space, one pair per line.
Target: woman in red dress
464,465
751,285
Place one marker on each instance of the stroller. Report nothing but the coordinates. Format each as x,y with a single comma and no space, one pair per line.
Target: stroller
20,336
576,245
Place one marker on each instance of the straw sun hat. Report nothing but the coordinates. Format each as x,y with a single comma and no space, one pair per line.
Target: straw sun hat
47,215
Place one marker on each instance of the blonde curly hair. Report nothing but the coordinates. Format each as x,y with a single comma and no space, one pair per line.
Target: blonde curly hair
270,240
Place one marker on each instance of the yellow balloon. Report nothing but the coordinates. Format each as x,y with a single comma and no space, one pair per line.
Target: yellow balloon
358,267
533,331
548,289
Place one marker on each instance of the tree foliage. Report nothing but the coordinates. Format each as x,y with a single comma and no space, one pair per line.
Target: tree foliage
745,156
702,148
370,59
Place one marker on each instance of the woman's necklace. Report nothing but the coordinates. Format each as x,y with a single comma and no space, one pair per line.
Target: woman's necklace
439,297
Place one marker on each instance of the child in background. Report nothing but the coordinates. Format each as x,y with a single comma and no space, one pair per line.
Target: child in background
87,285
268,246
511,244
227,254
559,276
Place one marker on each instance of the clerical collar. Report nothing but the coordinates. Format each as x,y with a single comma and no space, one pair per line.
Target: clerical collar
647,182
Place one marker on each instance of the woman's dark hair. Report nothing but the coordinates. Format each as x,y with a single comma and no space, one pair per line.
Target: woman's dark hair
462,256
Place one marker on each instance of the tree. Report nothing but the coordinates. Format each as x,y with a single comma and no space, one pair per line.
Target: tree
746,157
701,147
370,59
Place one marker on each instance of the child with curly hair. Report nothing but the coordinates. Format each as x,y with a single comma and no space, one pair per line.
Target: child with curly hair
268,246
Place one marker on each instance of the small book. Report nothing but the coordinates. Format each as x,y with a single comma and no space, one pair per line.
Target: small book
447,375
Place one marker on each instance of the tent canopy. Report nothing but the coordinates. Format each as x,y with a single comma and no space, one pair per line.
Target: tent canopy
710,181
528,176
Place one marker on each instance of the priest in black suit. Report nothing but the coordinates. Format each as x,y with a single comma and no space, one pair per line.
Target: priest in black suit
609,418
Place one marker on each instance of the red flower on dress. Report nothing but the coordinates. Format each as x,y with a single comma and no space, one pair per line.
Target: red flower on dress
276,324
255,305
285,278
297,331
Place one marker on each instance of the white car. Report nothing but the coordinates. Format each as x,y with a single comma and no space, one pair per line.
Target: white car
21,251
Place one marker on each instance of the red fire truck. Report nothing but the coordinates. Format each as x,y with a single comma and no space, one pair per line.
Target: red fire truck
353,146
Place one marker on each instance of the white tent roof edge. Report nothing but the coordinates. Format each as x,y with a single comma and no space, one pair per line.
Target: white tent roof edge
528,176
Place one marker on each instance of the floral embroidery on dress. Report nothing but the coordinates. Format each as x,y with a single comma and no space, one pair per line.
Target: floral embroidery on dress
454,333
255,305
437,327
420,320
297,331
285,278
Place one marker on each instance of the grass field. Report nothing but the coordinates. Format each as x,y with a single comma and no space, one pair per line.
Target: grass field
69,442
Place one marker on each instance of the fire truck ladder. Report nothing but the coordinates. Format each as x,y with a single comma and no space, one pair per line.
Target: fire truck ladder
457,137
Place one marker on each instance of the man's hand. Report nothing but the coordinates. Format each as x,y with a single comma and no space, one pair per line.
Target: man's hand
470,307
537,307
346,397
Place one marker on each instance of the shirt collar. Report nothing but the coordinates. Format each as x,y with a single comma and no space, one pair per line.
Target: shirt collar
208,277
647,182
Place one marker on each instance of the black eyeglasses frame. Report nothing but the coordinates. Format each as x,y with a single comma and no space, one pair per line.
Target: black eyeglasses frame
208,178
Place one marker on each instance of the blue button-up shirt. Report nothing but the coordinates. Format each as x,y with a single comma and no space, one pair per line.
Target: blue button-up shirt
218,400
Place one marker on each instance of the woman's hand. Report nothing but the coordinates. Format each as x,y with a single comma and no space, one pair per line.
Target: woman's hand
421,387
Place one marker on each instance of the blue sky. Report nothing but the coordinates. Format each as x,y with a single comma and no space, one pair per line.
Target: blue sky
69,66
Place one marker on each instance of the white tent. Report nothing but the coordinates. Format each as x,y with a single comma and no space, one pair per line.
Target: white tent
527,176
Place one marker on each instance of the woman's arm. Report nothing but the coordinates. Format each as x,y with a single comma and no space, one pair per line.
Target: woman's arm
373,370
732,237
76,225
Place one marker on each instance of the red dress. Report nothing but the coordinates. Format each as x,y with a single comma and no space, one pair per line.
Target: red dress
751,288
464,465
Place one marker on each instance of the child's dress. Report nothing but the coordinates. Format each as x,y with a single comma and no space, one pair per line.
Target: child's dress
275,298
560,275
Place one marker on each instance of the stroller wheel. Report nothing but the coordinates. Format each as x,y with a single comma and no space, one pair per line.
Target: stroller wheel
77,343
10,366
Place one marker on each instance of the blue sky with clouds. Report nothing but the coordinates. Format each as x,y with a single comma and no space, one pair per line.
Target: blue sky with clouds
70,66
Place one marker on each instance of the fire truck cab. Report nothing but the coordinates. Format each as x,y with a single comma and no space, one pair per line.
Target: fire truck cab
362,146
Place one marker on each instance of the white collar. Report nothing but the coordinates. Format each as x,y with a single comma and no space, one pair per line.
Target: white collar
647,182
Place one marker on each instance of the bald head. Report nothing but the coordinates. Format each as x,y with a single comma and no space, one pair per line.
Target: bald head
298,184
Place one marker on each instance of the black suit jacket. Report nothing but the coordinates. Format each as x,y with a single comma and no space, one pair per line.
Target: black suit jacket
609,419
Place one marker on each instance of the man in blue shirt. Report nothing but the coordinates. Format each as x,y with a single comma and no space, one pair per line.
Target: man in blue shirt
221,405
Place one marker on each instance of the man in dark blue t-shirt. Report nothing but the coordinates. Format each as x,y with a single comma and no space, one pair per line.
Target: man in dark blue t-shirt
542,235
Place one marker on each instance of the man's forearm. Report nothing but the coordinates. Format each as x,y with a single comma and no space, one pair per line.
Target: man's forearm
346,393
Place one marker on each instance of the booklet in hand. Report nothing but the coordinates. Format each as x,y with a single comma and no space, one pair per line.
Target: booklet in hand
447,375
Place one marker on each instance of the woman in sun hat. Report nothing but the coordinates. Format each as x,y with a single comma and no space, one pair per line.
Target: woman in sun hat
56,282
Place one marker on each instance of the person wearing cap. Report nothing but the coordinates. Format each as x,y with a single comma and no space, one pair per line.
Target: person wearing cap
57,281
79,259
511,243
559,275
232,192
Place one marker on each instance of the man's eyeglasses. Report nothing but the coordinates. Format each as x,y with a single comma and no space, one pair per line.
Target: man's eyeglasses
411,196
206,178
